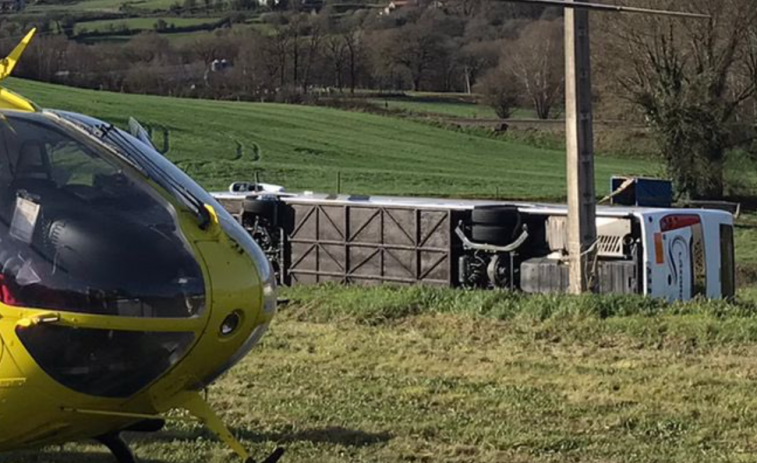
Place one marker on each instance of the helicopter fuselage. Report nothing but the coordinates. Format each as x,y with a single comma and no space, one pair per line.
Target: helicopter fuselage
124,287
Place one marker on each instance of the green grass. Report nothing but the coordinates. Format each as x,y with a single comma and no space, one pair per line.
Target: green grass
304,147
445,106
103,5
746,239
428,375
140,23
419,374
176,38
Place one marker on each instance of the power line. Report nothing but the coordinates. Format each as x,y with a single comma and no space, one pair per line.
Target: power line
610,8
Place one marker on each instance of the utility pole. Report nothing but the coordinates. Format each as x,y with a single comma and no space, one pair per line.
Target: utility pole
579,133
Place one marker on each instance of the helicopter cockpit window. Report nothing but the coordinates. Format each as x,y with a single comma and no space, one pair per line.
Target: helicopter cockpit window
80,232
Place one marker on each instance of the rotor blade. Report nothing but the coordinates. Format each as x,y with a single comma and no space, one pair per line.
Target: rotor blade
612,8
9,62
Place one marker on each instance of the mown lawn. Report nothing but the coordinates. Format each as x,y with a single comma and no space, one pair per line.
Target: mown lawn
421,375
304,147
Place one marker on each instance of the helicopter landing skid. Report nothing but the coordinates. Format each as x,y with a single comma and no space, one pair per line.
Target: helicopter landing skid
199,408
118,447
274,457
123,454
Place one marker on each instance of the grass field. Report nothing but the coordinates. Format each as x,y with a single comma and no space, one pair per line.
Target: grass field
421,375
430,375
103,5
139,23
176,38
447,107
304,147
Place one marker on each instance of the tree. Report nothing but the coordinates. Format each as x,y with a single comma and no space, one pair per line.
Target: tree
160,25
147,47
538,62
67,25
335,50
353,39
475,59
190,5
690,78
500,90
418,48
312,52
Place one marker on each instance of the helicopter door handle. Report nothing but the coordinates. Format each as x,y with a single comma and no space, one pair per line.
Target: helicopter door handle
48,318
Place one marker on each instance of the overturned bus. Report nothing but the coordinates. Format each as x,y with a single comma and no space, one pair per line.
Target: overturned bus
670,253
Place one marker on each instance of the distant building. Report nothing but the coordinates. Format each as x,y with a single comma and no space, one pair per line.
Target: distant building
12,6
395,5
398,4
220,65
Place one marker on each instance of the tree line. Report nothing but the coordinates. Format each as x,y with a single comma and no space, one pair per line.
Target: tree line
693,82
291,54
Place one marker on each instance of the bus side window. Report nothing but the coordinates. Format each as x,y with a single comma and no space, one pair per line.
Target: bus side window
727,262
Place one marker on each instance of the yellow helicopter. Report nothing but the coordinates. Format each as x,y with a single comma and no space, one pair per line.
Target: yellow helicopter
125,289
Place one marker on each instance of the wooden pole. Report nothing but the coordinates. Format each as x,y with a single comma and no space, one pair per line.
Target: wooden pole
582,207
582,227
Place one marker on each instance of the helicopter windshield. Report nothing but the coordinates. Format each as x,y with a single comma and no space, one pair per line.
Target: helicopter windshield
81,232
178,183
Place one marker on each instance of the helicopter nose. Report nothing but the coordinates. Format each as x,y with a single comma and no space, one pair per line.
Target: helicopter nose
244,296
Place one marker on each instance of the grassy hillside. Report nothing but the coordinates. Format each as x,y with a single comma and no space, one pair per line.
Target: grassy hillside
304,147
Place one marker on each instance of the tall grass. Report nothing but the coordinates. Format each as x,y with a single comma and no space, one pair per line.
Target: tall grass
585,318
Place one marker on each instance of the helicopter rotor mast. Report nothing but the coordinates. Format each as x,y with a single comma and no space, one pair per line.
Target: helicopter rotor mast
579,132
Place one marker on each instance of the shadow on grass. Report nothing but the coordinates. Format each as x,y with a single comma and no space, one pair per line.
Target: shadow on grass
331,435
336,435
51,455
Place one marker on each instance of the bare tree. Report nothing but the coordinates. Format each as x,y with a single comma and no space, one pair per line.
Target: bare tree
295,30
312,52
500,90
336,50
353,39
476,58
537,61
418,47
276,52
147,47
